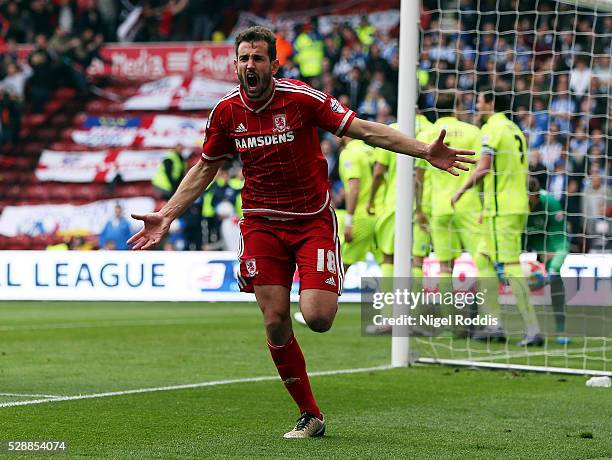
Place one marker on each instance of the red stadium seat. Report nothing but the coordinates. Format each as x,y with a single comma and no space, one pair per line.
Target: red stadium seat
33,149
115,107
36,119
97,107
66,134
145,189
14,193
27,177
59,193
79,119
53,106
59,120
88,192
64,94
37,192
65,146
4,242
44,134
19,242
10,177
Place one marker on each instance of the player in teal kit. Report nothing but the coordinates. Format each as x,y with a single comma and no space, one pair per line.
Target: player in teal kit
503,169
384,173
546,234
355,169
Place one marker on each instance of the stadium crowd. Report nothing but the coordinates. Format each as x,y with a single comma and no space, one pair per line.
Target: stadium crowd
555,63
559,80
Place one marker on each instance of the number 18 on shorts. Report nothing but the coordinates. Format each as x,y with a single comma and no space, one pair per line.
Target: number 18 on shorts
270,250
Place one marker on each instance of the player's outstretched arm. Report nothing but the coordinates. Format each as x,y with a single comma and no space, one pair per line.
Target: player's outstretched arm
156,224
419,179
352,194
378,178
480,171
438,154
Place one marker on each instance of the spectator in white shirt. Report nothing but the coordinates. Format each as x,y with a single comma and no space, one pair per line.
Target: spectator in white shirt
563,106
550,151
597,198
580,77
15,81
602,71
557,185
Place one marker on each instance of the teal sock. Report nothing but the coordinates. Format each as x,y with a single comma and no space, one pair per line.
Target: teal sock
557,294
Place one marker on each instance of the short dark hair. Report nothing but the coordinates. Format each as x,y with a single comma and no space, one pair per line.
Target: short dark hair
445,103
256,34
534,185
501,101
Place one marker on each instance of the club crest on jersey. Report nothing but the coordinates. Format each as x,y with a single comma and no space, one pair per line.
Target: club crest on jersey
280,123
251,267
336,106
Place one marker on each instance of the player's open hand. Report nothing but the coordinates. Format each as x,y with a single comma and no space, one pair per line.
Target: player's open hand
155,227
447,158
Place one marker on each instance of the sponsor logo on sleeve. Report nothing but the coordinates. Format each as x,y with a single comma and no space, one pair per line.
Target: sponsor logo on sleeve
336,106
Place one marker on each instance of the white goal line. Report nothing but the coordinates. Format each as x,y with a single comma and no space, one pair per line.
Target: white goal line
570,353
510,367
185,386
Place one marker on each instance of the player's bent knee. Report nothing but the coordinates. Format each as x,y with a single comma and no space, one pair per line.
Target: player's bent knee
320,324
320,319
319,308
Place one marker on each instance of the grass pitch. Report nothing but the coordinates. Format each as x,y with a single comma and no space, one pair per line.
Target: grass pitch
68,349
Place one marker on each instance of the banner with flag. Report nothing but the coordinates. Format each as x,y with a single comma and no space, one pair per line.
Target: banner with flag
99,166
178,92
164,131
51,218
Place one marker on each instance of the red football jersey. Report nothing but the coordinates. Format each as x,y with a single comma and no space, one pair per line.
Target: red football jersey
284,170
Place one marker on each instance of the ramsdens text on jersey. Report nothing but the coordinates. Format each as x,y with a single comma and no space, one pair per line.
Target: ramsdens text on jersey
260,141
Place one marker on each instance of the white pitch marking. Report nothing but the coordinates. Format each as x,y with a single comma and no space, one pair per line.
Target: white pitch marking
187,386
31,396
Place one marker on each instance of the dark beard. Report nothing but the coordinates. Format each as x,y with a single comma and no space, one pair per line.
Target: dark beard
264,84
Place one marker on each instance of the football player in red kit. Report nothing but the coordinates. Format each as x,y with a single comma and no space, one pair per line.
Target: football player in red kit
288,220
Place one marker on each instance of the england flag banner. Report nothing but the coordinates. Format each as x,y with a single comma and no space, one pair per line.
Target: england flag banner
52,218
149,131
156,95
203,94
177,92
170,130
99,166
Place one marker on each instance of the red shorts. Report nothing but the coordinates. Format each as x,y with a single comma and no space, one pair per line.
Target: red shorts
270,249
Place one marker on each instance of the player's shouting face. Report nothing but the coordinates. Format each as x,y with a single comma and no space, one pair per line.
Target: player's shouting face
255,69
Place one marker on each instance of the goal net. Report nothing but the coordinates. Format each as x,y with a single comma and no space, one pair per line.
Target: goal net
546,65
